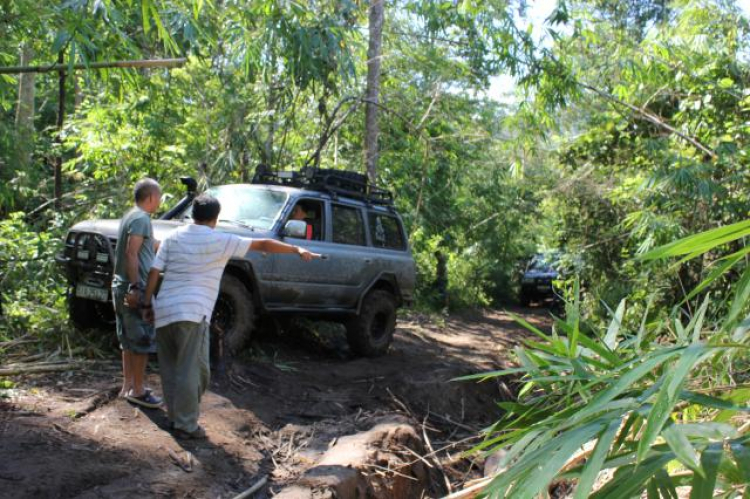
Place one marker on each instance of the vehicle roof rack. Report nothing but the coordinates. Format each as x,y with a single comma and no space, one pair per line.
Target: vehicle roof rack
336,182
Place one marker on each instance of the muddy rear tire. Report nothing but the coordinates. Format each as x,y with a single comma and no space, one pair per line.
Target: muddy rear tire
370,333
234,316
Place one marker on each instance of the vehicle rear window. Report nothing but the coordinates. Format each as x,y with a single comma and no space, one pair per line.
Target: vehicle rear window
386,232
348,226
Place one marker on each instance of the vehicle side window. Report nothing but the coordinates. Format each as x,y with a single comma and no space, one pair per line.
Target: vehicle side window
348,226
310,212
385,231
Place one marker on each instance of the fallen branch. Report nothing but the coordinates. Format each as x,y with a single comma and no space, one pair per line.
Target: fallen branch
99,400
415,454
30,358
13,371
389,470
399,403
433,453
19,341
154,63
448,420
253,489
651,117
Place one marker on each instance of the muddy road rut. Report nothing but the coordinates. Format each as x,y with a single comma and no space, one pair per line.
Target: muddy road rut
290,416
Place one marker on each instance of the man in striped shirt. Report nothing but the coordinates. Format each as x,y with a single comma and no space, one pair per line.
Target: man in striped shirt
193,259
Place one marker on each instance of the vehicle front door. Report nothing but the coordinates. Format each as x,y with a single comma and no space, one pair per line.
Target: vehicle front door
297,284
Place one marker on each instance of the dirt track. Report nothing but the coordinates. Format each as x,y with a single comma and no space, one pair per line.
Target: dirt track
274,414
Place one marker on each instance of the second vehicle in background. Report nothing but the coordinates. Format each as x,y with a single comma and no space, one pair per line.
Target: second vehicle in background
537,279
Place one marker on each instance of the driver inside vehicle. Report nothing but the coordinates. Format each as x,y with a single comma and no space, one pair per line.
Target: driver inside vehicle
308,214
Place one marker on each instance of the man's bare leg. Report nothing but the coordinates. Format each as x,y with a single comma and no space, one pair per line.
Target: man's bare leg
138,363
127,370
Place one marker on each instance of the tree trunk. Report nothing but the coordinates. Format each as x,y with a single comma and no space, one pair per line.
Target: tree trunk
78,93
270,109
25,110
58,139
373,88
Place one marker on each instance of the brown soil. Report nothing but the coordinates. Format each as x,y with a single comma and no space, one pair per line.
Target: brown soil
275,414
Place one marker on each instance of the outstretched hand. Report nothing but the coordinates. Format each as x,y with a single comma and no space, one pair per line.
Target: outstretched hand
307,255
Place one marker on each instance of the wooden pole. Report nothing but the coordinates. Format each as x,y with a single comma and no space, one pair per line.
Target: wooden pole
25,110
154,63
60,122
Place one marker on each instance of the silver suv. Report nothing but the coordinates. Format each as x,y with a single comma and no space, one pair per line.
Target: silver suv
366,273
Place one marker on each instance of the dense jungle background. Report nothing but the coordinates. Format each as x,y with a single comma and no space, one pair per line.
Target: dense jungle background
614,133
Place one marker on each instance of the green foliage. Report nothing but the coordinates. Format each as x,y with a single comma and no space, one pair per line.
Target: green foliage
31,287
639,400
659,148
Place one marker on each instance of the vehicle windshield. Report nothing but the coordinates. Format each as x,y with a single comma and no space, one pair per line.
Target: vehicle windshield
248,205
543,265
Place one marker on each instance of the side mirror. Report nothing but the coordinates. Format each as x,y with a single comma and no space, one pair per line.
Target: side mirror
295,228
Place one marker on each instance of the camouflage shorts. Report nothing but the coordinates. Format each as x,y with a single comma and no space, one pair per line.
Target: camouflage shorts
133,333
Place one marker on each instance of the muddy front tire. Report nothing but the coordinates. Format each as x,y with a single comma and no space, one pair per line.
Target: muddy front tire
524,299
370,333
234,317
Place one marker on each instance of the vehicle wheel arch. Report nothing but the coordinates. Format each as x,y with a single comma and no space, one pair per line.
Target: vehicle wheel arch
244,272
385,281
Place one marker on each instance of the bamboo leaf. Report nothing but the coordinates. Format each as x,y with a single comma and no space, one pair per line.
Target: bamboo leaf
626,381
704,239
696,324
680,330
610,339
574,316
596,460
529,326
642,328
60,40
543,468
666,486
703,485
630,424
490,374
740,298
716,272
602,351
630,480
713,402
741,453
681,447
668,396
709,431
145,9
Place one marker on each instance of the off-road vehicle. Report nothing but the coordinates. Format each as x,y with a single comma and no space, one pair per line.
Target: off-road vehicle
537,279
366,271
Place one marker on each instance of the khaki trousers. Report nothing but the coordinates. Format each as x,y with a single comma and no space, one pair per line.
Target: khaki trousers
183,364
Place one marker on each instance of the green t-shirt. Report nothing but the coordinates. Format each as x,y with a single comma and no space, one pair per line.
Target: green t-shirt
135,222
